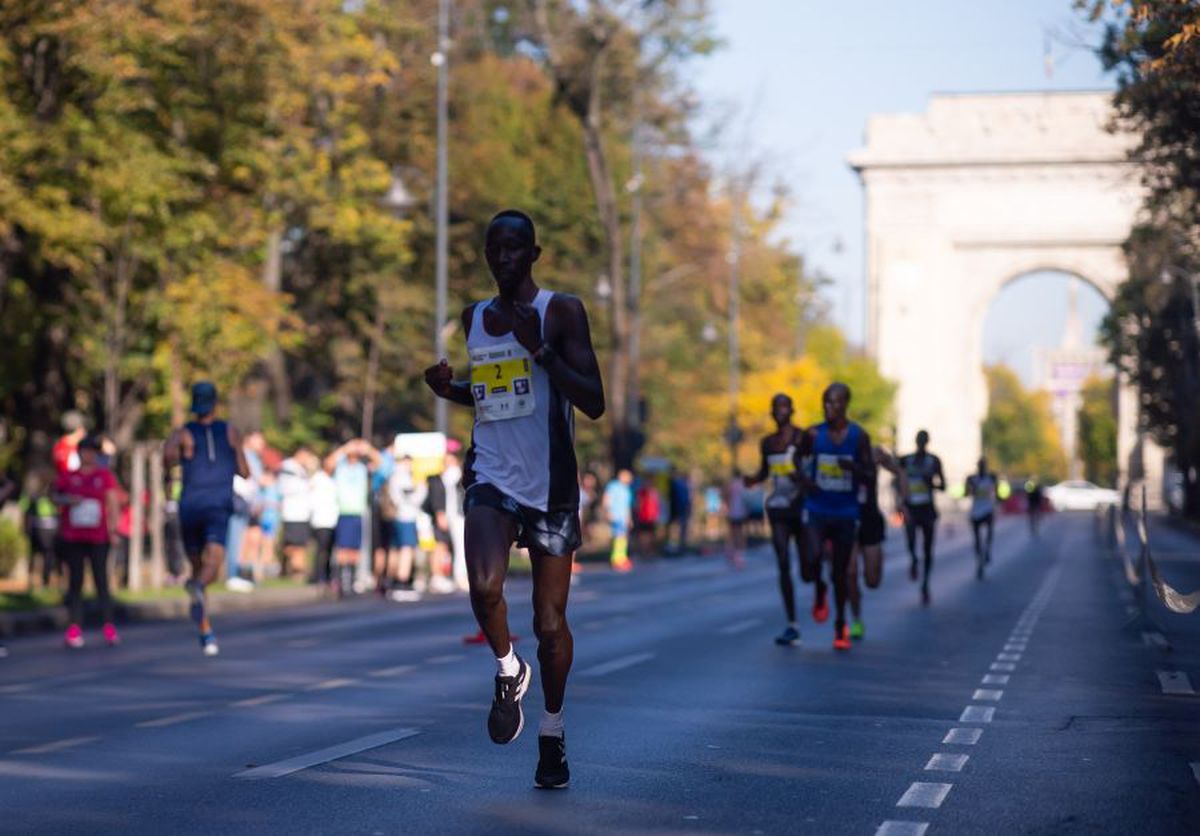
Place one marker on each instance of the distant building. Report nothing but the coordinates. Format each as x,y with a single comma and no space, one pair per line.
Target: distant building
1062,372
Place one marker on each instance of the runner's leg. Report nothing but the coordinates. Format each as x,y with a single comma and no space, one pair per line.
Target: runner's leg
556,646
72,553
842,540
489,535
781,536
98,559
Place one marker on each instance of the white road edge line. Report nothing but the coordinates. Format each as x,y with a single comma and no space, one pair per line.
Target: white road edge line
264,699
396,670
618,664
963,737
55,746
922,794
331,753
946,763
1175,682
331,684
1195,765
902,828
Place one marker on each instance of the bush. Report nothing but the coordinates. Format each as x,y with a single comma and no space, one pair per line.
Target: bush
12,547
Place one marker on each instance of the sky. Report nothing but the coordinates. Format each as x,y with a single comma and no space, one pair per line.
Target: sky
801,77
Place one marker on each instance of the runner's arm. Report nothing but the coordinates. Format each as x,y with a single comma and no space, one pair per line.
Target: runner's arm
864,460
938,482
573,367
235,441
761,474
112,511
440,378
804,449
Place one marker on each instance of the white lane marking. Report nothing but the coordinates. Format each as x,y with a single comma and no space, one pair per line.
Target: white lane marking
995,679
445,660
922,794
1154,639
1003,666
902,828
331,753
740,627
395,670
964,737
946,763
1016,647
1175,682
1195,765
174,719
331,684
55,746
263,699
618,664
16,688
977,714
1009,657
987,694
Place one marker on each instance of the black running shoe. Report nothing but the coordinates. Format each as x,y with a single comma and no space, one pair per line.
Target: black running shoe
506,719
790,635
552,772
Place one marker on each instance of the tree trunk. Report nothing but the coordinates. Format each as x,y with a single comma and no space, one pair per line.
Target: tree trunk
372,381
272,278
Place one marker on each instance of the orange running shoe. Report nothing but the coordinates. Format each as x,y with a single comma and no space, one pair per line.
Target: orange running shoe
841,638
820,609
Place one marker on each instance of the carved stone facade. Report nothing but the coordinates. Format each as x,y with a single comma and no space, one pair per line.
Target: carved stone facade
980,190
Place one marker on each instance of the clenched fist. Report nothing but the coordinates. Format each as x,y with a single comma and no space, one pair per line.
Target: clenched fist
439,377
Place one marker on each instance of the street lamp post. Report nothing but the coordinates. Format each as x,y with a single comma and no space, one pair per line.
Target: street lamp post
441,60
733,434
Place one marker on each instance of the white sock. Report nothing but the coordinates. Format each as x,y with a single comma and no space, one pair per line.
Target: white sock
551,725
792,624
508,665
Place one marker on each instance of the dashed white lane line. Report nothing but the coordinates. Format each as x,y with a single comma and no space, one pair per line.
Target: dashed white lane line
922,794
977,714
1153,638
16,688
902,828
1175,682
331,753
263,699
1003,666
1009,657
618,664
995,679
395,670
946,763
987,694
739,627
449,658
332,684
1016,647
173,720
56,746
963,737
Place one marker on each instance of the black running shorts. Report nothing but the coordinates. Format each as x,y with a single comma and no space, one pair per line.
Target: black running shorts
554,533
871,528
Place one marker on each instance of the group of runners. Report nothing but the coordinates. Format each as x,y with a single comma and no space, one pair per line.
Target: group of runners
824,499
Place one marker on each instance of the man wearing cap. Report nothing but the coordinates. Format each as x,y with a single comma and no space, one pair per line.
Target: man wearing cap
210,452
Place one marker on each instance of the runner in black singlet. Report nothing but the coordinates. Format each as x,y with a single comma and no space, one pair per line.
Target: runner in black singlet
785,505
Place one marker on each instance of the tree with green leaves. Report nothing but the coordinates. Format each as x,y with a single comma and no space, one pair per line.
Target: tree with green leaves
1097,431
1019,436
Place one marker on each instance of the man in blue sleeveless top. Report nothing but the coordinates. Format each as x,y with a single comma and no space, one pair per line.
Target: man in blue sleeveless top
532,365
210,452
834,459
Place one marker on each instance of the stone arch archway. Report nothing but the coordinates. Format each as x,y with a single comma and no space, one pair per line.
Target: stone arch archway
961,200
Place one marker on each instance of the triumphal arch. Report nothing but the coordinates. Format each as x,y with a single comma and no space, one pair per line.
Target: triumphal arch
975,192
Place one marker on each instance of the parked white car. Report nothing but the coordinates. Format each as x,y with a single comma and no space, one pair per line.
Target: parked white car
1078,495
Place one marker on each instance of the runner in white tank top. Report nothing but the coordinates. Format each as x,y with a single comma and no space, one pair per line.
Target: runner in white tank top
532,365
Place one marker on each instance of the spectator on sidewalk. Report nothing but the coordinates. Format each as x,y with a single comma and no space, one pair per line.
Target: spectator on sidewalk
324,497
618,506
680,508
406,495
350,466
245,497
66,449
41,526
443,505
296,510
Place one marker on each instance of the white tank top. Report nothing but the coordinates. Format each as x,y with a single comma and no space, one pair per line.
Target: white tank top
524,439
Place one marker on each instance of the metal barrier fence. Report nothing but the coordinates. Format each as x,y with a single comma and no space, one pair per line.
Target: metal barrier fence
1143,573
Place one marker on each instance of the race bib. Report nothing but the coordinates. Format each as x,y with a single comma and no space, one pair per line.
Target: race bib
781,466
86,513
502,382
918,491
831,477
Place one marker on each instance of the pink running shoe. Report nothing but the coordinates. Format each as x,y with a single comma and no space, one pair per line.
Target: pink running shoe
73,637
110,635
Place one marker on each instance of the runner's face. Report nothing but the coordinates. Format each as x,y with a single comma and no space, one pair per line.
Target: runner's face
835,405
510,252
781,411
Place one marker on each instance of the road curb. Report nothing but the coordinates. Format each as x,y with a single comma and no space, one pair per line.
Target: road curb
48,619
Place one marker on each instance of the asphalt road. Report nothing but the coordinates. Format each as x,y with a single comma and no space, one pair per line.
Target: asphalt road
1031,702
